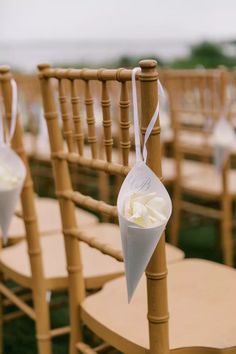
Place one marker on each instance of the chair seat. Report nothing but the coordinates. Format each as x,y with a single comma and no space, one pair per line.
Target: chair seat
201,304
97,268
198,143
168,166
207,181
189,168
49,219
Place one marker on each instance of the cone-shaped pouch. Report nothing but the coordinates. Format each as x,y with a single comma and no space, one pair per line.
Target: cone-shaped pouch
12,170
223,138
139,243
10,189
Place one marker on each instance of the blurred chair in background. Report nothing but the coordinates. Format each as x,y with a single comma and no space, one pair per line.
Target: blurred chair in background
197,102
49,223
38,263
192,283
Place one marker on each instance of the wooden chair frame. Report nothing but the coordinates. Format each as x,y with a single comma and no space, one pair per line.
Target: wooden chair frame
179,82
156,271
40,311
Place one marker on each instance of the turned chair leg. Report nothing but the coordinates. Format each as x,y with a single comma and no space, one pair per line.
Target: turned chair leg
226,233
103,187
175,219
1,317
42,323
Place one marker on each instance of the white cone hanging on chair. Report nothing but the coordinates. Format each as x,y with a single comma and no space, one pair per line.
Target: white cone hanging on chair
223,139
140,235
139,242
12,171
12,175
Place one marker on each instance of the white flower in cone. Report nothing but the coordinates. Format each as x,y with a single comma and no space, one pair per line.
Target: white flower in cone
12,175
12,170
146,210
144,207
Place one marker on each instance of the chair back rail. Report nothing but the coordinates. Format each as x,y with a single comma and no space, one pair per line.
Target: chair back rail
198,98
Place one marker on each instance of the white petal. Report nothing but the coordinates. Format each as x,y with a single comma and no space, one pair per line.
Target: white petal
157,203
140,210
156,214
127,208
144,198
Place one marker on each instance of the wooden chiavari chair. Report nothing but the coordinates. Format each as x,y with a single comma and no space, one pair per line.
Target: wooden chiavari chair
74,136
49,222
38,263
201,293
200,97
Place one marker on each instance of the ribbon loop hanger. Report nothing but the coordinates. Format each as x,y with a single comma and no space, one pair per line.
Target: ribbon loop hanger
142,155
13,117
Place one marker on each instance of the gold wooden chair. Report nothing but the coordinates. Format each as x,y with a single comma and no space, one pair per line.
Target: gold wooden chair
46,209
201,293
74,134
200,97
38,263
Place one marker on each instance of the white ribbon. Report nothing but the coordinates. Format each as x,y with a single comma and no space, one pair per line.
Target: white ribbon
139,240
136,121
142,156
13,116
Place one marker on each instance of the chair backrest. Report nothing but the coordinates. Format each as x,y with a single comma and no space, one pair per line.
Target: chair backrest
27,195
198,98
232,95
70,83
29,97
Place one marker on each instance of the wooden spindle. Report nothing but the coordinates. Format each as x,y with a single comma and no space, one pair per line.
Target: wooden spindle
222,84
124,123
78,135
106,104
196,96
212,96
92,139
67,124
203,94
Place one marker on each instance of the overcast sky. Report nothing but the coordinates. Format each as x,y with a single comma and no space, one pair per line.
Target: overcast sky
117,19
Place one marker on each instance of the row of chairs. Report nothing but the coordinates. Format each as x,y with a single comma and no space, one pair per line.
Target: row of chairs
197,98
197,289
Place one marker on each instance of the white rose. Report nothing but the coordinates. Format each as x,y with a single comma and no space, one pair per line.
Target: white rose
146,210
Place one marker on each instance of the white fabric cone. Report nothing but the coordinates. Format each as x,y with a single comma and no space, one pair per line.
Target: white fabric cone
139,243
9,196
220,154
223,139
